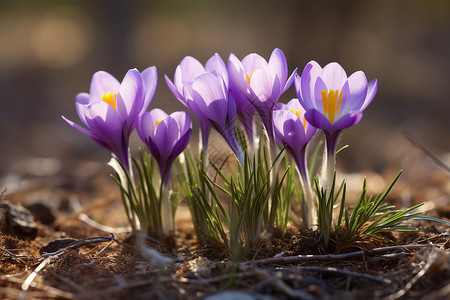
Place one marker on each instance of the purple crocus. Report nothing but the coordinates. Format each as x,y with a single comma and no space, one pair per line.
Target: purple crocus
333,102
292,129
111,108
166,136
210,100
260,82
185,73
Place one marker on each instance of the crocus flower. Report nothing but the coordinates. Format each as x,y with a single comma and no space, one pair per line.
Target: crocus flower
210,100
111,108
166,136
333,102
260,82
185,73
292,129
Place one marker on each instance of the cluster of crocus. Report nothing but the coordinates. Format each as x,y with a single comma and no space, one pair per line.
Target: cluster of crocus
218,94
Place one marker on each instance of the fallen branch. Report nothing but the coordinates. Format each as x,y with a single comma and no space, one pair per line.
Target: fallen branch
286,260
78,244
15,256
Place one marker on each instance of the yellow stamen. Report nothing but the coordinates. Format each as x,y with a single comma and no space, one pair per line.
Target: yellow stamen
110,98
331,104
249,76
158,121
297,112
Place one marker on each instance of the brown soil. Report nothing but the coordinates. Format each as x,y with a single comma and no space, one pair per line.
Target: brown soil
107,268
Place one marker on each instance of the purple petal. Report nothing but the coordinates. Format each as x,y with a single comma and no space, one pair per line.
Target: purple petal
294,104
317,102
145,126
182,143
278,65
132,93
253,62
372,88
297,87
167,134
155,114
354,92
243,105
334,76
105,122
305,84
174,90
188,69
237,77
217,66
101,83
231,109
81,101
192,105
289,81
208,92
183,120
150,79
318,120
141,126
78,127
155,152
280,106
289,129
265,86
348,120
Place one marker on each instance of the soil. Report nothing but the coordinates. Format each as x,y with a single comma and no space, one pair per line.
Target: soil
98,259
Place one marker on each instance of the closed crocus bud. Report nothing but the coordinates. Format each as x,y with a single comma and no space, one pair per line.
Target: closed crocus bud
210,100
293,131
166,136
186,72
260,82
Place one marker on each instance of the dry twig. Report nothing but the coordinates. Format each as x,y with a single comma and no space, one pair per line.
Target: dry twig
286,260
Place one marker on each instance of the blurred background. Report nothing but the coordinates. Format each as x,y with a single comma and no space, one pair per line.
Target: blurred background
50,49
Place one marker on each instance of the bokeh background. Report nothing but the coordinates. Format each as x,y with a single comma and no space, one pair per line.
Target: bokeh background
50,49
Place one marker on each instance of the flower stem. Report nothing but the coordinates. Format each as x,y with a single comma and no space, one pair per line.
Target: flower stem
166,210
203,143
329,163
309,210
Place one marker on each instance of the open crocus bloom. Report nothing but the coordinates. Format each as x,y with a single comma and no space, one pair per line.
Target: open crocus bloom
166,136
260,82
332,100
111,108
292,129
210,100
186,72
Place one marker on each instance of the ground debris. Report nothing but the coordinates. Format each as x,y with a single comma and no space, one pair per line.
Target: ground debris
16,220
